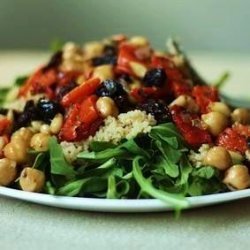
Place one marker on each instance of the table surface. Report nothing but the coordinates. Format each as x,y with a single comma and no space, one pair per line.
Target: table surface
30,226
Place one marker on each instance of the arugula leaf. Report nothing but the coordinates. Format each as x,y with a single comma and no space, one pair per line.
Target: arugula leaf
82,186
20,80
222,80
169,168
205,172
41,161
103,155
59,166
94,186
49,188
56,45
111,192
133,148
98,146
205,180
3,94
176,200
185,169
72,188
167,130
169,153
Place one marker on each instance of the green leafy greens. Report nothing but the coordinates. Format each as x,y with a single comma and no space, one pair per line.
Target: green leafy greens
153,165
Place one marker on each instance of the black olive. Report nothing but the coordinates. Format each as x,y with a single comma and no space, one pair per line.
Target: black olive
3,111
29,114
47,109
123,103
126,78
106,59
248,142
54,62
155,77
158,109
63,90
110,50
110,88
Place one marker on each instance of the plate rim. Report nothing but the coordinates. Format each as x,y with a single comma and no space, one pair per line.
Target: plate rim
116,205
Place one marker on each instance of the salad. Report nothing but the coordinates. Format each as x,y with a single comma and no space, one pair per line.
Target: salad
117,119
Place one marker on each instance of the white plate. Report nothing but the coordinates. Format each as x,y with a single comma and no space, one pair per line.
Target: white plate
210,65
119,206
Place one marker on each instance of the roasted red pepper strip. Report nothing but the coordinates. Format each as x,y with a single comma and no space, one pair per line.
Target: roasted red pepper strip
4,126
144,93
88,112
233,141
126,55
204,95
65,77
82,120
71,123
39,82
78,94
190,127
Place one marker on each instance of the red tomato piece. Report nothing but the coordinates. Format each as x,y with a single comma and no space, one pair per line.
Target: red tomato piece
204,95
190,127
231,140
79,93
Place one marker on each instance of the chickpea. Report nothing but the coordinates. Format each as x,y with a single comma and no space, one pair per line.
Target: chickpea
32,180
80,79
8,171
10,115
16,151
12,94
24,134
138,69
45,129
2,143
186,102
218,157
236,157
138,41
56,124
215,121
107,107
220,107
93,49
241,115
237,177
39,142
36,126
103,72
